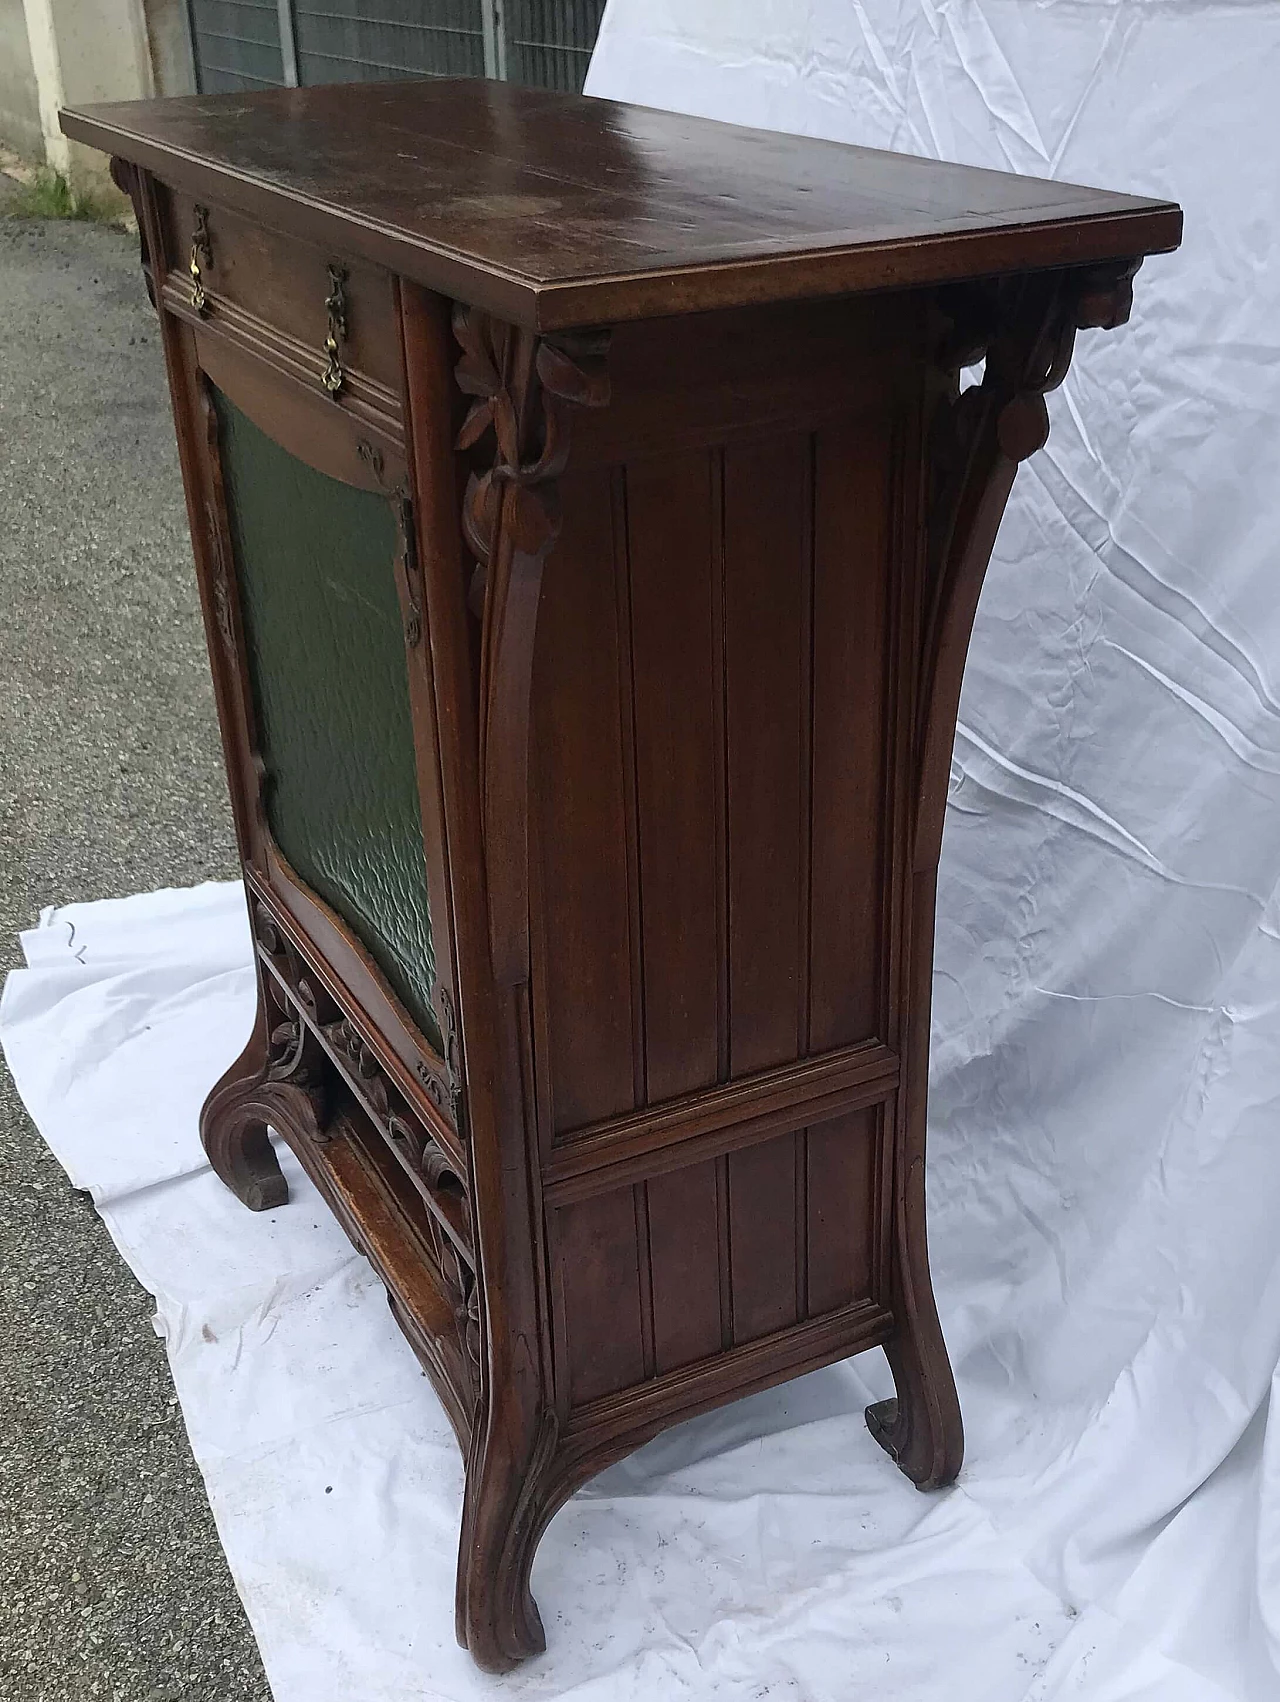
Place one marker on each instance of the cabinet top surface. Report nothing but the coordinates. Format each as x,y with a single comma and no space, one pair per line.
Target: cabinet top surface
560,210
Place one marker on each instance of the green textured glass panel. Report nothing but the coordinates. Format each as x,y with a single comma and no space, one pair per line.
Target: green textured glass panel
315,559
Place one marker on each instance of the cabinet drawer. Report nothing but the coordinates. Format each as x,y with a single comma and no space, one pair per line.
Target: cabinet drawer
270,289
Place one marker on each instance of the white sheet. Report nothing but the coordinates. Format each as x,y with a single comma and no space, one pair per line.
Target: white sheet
1106,1169
769,1549
1105,1163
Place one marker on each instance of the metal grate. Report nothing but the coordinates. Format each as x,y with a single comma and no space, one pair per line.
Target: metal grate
549,42
235,44
248,44
348,41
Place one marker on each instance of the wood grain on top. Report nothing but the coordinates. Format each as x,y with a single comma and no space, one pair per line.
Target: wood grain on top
559,210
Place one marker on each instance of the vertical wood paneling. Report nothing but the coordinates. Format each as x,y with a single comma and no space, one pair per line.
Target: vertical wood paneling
904,611
711,726
719,759
585,925
766,491
841,1209
800,1165
644,1273
684,1253
762,1237
805,735
723,1251
627,719
851,497
597,1265
670,546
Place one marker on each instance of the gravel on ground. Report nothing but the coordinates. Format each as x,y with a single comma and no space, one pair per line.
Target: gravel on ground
115,1587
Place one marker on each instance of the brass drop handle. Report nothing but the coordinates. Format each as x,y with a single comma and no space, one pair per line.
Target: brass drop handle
333,377
201,255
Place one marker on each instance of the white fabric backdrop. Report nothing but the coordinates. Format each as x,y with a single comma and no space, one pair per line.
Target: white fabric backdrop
1106,1171
769,1549
1105,1141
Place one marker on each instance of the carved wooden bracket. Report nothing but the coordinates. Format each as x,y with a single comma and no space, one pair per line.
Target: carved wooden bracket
523,386
127,180
1025,328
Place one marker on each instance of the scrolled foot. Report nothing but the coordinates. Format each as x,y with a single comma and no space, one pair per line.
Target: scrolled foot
501,1639
246,1104
920,1427
233,1129
506,1511
882,1420
266,1192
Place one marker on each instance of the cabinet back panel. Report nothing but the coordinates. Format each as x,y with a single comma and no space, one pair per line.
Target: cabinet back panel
583,996
709,721
655,1276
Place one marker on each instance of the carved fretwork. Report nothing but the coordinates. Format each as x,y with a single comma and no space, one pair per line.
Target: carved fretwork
311,1079
309,1036
1024,328
126,178
523,386
318,1052
462,1290
293,1053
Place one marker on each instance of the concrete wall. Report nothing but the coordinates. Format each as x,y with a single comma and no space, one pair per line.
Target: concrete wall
171,69
86,51
56,53
19,106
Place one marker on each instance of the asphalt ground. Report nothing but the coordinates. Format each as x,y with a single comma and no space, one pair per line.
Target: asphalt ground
113,1585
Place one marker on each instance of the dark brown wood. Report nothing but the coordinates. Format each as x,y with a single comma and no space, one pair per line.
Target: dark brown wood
685,608
556,210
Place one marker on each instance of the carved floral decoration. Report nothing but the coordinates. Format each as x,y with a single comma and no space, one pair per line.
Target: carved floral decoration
522,387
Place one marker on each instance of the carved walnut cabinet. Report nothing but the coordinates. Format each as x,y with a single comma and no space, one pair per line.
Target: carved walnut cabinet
589,522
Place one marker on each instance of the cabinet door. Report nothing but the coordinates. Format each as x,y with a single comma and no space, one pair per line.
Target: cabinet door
311,573
316,562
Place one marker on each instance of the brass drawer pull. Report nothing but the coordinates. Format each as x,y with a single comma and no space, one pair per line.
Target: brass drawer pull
201,255
333,377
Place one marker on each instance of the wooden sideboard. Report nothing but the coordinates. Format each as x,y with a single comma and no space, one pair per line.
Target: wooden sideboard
590,517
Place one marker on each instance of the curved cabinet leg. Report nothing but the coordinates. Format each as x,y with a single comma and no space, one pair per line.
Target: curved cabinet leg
240,1152
233,1131
921,1428
282,1080
505,1512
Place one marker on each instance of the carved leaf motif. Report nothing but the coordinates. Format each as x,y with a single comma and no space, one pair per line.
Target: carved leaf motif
477,371
480,514
524,386
520,399
452,1054
219,581
573,367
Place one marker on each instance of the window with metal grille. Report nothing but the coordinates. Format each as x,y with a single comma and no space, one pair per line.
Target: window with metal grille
235,44
549,42
347,41
246,44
